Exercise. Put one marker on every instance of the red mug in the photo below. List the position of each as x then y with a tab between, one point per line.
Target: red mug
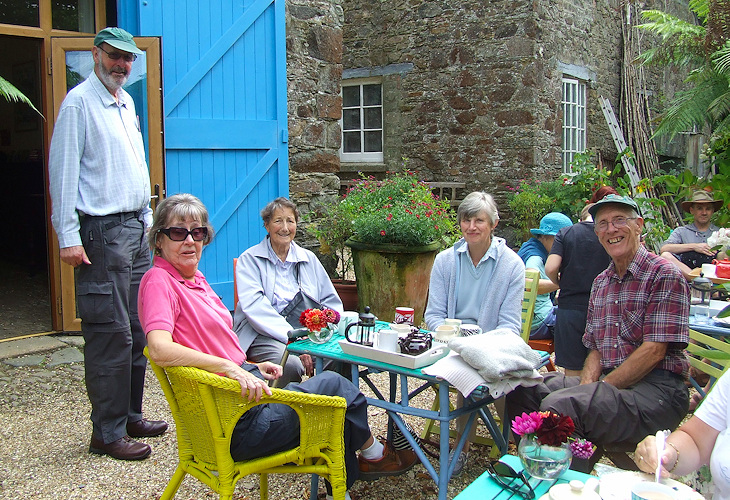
404	315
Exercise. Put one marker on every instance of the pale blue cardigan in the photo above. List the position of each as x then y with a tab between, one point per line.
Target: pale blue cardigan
501	306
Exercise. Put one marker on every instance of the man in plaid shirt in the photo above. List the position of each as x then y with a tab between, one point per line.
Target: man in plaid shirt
633	380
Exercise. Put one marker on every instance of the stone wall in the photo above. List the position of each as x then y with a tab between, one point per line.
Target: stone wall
476	96
314	74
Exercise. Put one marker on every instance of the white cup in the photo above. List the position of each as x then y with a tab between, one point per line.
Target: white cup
708	270
386	340
470	329
444	333
454	322
346	318
648	490
402	329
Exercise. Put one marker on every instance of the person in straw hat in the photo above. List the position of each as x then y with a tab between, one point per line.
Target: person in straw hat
687	246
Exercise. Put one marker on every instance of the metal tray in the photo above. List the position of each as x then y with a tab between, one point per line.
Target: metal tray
395	358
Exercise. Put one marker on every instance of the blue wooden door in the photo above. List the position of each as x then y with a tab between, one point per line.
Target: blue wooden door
224	87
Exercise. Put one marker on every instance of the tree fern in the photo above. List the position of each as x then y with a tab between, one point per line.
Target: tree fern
11	93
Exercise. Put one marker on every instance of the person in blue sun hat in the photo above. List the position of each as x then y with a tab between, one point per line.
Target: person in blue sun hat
534	252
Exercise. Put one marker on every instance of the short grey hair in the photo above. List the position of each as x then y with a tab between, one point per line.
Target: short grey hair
476	203
178	206
268	211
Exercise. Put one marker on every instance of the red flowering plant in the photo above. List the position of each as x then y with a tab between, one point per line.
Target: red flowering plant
400	209
551	429
316	319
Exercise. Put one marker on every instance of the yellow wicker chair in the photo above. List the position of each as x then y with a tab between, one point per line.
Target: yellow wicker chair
206	407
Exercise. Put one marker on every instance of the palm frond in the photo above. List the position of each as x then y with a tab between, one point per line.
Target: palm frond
721	58
689	108
700	7
668	26
682	42
11	93
719	109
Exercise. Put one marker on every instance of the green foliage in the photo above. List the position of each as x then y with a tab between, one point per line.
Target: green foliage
705	105
331	224
12	94
399	209
568	194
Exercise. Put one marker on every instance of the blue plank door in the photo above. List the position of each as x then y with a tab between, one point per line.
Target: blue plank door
224	87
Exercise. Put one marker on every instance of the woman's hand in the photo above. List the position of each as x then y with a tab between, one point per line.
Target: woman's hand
645	456
270	371
252	387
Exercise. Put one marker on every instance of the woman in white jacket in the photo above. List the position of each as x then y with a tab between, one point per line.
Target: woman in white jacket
270	277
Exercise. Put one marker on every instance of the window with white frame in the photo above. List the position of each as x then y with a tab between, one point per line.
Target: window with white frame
362	121
574	120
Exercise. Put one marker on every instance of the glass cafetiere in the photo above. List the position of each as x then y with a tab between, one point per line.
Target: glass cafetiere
364	329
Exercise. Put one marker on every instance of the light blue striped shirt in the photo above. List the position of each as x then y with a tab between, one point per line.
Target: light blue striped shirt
97	162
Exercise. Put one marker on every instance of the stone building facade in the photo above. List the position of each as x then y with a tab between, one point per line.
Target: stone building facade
314	75
472	91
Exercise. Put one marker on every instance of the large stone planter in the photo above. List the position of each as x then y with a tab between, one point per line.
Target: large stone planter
389	276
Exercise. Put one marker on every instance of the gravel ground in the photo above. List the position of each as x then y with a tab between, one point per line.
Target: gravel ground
45	432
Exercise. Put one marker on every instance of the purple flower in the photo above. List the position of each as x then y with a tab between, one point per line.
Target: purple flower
581	448
527	423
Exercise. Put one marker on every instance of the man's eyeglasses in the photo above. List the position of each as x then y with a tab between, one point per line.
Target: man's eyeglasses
617	222
181	233
115	56
500	472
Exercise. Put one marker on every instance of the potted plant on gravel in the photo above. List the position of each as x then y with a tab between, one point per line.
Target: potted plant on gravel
398	225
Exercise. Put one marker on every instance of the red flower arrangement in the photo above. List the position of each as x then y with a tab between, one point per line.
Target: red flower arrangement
316	319
552	429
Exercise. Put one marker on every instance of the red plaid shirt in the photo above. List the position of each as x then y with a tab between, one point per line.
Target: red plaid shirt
650	303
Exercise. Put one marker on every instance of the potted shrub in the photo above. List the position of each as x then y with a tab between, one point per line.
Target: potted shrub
398	225
332	226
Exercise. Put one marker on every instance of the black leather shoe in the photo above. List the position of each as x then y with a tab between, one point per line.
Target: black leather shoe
146	428
122	449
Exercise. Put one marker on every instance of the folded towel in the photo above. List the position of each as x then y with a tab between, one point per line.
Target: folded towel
497	354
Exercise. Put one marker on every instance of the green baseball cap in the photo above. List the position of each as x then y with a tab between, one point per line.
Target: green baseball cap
117	38
616	200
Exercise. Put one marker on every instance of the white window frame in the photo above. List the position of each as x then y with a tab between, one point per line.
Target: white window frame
574	119
362	156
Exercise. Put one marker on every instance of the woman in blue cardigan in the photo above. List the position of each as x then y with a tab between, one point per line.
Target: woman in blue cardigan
479	280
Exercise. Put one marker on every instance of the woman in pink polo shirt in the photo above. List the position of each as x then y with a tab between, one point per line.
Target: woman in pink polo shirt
187	325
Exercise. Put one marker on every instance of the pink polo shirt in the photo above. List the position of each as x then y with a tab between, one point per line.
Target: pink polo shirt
191	311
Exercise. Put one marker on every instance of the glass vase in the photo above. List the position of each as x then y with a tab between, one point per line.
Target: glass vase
543	461
322	335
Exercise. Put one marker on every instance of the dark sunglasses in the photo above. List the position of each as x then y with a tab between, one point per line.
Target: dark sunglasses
115	56
499	471
181	234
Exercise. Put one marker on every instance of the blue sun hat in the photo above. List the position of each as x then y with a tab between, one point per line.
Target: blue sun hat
551	224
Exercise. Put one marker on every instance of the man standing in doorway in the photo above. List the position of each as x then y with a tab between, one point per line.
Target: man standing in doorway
99	184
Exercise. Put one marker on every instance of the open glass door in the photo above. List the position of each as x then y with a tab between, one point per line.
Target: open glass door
72	63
